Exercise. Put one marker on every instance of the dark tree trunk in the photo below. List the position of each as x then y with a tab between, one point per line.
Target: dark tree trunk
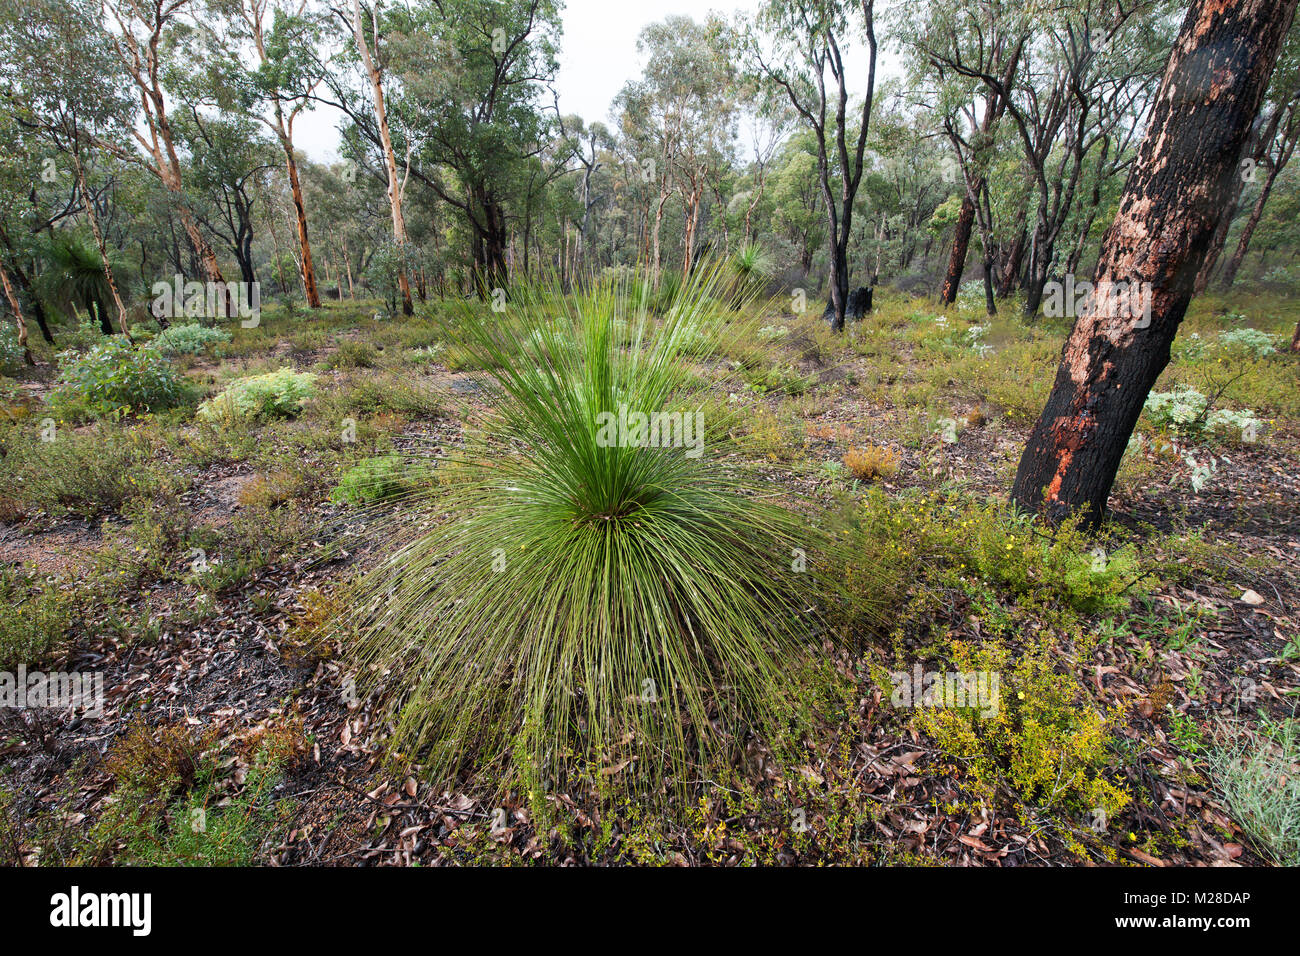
1180	183
1011	266
960	243
1218	242
105	323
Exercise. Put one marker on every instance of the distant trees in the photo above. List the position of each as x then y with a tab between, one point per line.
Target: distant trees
278	40
63	86
767	135
138	38
680	120
1180	183
800	46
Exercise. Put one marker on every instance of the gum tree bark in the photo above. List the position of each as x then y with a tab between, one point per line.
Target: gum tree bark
255	15
18	315
1182	179
395	188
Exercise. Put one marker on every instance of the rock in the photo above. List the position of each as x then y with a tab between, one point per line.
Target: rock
1252	598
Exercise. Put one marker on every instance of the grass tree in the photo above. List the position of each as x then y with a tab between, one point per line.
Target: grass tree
584	594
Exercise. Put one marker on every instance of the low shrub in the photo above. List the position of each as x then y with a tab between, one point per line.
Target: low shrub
87	473
114	377
11	353
278	394
34	619
1184	411
872	461
1256	772
1038	736
373	480
189	339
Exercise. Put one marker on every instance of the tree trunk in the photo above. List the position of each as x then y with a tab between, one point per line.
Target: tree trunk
295	189
390	159
1218	242
1179	185
960	243
18	315
1011	266
103	250
1248	230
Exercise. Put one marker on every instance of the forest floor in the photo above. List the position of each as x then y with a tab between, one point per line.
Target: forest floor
195	566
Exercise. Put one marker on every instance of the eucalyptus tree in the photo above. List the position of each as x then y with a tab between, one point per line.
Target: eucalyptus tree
585	143
61	82
935	36
40	198
802	47
798	216
463	86
263	61
1270	150
1210	95
228	159
1076	60
140	34
680	117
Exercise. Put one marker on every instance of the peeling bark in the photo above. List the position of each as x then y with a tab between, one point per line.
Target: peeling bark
1179	186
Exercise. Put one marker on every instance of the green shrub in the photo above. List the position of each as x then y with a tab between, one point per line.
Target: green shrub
1185	411
189	339
1256	772
1039	739
352	354
11	353
84	335
87	473
34	619
1249	342
947	533
278	394
581	600
206	829
373	480
115	376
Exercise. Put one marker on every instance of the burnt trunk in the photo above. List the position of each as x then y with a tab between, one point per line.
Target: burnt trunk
960	245
1180	184
1011	266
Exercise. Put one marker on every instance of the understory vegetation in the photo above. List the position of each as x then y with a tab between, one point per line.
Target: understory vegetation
405	564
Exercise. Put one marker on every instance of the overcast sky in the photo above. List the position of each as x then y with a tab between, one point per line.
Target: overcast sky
597	56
